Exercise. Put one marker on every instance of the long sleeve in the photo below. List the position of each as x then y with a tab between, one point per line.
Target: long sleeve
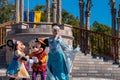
69	54
30	55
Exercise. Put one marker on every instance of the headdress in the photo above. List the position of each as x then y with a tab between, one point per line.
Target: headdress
41	40
55	28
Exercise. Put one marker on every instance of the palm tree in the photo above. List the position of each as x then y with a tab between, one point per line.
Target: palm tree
48	11
59	11
6	12
54	7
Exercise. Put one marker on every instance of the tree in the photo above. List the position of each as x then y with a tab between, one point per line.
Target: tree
41	8
103	43
69	18
101	28
6	11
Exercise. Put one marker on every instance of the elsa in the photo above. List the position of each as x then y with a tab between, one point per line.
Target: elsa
60	57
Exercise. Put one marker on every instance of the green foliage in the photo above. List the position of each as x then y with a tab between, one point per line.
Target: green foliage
101	28
69	18
41	8
100	43
6	11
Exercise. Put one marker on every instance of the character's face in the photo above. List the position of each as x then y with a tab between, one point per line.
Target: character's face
55	32
37	47
20	45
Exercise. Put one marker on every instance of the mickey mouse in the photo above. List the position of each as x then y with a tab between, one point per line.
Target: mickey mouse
38	50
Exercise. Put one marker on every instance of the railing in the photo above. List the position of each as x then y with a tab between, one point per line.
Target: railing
3	32
89	41
97	43
2	36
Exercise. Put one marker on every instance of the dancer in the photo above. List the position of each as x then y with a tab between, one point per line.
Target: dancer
16	68
38	50
60	57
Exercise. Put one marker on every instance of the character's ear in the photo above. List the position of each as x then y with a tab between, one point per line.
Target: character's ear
45	45
10	43
46	42
36	40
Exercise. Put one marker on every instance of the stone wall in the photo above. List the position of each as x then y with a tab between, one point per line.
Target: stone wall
2	57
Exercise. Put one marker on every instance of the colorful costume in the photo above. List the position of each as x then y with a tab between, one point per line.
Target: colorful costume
40	66
16	68
60	59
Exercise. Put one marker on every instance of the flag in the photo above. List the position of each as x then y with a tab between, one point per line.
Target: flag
25	16
34	16
31	16
37	17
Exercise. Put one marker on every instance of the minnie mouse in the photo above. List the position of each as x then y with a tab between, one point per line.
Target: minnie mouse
16	68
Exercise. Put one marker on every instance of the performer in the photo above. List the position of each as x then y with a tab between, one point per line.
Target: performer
38	50
60	57
16	68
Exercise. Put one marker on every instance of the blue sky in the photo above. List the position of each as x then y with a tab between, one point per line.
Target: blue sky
100	10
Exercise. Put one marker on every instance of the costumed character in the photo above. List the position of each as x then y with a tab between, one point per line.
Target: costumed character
16	68
60	57
38	50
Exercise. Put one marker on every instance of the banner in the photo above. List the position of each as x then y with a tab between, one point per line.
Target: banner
37	17
33	17
25	16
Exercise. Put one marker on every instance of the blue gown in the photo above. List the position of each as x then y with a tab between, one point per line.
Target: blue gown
14	66
58	65
17	68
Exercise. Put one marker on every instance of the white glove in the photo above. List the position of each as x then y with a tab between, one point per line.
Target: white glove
35	59
30	61
56	37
